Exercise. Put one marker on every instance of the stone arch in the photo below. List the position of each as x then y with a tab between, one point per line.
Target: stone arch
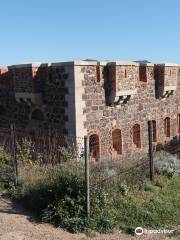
136	134
117	140
94	146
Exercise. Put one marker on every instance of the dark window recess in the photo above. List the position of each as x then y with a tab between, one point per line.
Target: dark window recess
94	149
117	141
178	123
154	131
37	115
66	118
167	129
126	73
98	74
65	131
2	110
137	135
142	74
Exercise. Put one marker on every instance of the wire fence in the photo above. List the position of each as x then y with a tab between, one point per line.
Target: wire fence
101	163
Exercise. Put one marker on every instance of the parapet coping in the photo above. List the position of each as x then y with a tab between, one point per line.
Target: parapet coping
79	63
168	64
88	63
3	66
102	63
26	65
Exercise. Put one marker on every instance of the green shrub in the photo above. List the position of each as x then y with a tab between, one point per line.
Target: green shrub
123	188
6	169
59	198
166	164
57	195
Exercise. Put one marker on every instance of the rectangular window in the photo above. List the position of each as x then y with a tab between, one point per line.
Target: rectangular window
98	74
154	131
167	127
142	74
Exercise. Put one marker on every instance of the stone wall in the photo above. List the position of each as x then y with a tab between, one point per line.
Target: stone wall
76	99
102	118
44	88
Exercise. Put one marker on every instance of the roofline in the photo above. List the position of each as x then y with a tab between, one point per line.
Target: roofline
88	63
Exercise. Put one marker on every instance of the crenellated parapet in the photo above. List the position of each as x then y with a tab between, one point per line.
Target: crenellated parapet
26	83
166	77
101	99
123	77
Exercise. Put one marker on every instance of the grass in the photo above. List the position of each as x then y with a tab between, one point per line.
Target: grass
56	194
154	207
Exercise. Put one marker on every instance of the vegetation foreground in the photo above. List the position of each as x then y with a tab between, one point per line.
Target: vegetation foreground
56	194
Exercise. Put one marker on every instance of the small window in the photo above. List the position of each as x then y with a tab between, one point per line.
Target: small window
167	127
154	131
126	73
142	74
137	136
117	141
94	149
178	123
37	115
98	74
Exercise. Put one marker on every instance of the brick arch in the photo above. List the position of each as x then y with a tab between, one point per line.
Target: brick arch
94	145
136	135
167	127
116	140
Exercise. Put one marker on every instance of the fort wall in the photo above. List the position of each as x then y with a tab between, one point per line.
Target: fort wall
110	102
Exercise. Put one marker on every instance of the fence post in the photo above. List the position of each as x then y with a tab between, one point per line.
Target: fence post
14	160
87	177
151	163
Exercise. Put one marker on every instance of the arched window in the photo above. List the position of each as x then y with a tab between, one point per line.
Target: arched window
137	135
94	149
37	114
117	141
167	127
178	123
154	131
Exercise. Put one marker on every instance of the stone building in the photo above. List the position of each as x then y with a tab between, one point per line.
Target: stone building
110	102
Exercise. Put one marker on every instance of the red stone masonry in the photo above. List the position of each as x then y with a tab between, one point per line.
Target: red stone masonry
95	98
123	100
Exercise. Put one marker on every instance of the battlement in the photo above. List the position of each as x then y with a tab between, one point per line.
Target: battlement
94	98
166	79
121	78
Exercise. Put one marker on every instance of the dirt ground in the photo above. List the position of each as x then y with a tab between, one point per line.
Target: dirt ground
18	224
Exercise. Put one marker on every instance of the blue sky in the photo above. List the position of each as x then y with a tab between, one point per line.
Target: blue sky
41	30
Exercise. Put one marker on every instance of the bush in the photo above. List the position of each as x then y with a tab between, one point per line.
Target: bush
59	198
6	169
166	164
57	195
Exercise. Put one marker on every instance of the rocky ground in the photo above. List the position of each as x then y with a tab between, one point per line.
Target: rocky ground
18	224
